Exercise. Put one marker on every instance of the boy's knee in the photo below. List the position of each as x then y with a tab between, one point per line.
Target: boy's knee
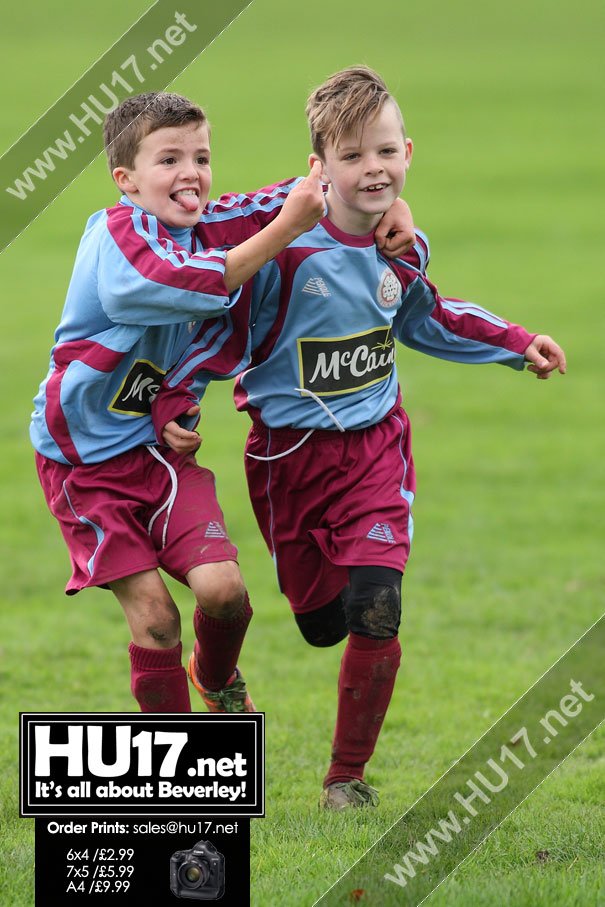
373	606
225	603
159	620
219	589
164	628
152	615
324	626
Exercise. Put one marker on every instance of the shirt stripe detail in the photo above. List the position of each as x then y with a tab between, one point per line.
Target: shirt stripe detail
483	349
101	358
96	357
422	249
200	357
166	249
219	214
458	307
56	423
136	235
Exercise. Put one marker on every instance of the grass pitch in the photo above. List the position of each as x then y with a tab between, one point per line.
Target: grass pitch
507	566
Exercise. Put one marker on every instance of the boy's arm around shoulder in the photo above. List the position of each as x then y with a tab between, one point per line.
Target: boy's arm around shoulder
234	217
143	277
302	209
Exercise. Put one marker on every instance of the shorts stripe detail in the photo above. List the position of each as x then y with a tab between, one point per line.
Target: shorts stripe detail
405	494
271	515
82	519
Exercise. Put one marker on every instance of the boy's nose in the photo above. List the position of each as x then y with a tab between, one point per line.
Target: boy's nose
373	165
188	170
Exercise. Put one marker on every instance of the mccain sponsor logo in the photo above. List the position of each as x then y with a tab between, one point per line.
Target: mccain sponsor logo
339	365
138	390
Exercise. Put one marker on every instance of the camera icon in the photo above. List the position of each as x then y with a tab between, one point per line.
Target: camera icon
199	873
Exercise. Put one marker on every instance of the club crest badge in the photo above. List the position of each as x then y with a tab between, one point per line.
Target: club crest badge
389	290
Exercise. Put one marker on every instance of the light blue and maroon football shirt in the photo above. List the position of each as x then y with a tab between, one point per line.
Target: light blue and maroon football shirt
140	293
324	318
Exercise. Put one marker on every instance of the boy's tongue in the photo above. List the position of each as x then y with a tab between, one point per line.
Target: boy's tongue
186	200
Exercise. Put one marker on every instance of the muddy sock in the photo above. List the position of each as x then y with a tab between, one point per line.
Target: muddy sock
365	685
158	680
218	644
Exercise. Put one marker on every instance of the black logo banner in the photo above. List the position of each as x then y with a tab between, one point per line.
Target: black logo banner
139	389
339	365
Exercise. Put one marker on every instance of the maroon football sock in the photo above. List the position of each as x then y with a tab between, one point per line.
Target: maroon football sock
158	680
218	644
365	685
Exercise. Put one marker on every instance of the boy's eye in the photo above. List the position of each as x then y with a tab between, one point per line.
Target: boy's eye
169	160
202	159
389	150
352	156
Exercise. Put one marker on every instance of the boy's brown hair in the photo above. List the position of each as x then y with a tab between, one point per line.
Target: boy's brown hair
344	102
126	126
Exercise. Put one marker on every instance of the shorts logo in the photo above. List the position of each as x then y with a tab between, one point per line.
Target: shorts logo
138	389
339	365
215	531
381	532
389	290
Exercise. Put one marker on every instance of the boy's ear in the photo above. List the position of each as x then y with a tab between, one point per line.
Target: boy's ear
315	157
409	149
123	179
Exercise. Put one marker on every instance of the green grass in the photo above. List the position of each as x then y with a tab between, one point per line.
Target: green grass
504	105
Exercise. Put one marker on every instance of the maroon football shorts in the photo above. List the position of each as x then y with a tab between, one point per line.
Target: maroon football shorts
341	499
133	513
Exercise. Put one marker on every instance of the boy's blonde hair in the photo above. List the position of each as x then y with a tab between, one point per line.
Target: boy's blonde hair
344	103
126	126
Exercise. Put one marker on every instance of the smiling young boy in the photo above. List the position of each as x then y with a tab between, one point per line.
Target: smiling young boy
328	458
149	272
